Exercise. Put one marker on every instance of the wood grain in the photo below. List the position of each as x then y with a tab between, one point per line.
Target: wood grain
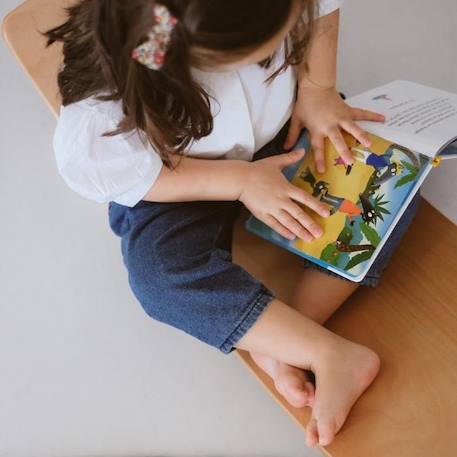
410	320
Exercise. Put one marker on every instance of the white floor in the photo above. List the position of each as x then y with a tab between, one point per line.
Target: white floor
84	371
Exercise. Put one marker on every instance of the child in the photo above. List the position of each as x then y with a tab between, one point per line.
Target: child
177	113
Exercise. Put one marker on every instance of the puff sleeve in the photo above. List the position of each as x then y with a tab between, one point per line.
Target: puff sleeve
120	168
329	6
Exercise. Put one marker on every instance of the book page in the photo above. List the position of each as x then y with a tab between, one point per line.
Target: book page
418	117
364	199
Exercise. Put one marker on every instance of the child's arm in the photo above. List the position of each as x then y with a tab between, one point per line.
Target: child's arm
322	54
199	179
259	185
123	169
319	106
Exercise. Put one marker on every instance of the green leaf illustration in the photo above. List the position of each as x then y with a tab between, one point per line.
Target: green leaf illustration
405	180
358	259
327	253
345	235
330	254
370	234
409	166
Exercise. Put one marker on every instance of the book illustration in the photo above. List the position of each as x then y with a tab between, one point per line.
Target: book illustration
384	164
363	198
320	189
368	198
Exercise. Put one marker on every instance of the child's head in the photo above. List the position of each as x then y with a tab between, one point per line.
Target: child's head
212	35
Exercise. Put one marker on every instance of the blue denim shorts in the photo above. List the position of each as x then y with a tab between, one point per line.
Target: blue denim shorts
179	262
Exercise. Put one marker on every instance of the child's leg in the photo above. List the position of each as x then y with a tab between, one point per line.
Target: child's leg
317	296
184	278
343	369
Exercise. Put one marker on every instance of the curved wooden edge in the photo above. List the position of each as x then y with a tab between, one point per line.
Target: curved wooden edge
37	62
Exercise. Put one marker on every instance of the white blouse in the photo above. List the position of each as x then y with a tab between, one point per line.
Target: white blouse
247	114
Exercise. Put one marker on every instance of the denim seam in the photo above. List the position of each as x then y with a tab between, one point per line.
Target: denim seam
258	305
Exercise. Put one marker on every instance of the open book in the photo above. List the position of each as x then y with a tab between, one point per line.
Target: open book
368	199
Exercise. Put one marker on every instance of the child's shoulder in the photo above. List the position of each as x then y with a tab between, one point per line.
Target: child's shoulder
84	123
93	107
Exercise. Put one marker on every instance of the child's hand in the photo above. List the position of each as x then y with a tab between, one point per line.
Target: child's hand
324	113
275	201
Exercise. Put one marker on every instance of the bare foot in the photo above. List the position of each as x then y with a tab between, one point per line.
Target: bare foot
343	370
341	378
291	382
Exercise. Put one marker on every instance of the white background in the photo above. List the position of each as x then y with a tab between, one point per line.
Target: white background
83	370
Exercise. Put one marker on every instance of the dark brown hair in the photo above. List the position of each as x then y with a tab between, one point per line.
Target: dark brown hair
168	105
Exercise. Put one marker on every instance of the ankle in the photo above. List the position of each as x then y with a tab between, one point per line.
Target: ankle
335	350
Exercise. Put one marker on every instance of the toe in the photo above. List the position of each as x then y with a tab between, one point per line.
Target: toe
294	384
310	394
312	436
326	431
293	390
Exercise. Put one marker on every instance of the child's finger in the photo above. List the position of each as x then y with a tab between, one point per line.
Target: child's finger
357	132
337	139
288	158
300	229
273	223
303	197
305	223
365	115
293	135
317	144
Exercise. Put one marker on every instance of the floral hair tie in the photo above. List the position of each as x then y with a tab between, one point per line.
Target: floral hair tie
152	52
